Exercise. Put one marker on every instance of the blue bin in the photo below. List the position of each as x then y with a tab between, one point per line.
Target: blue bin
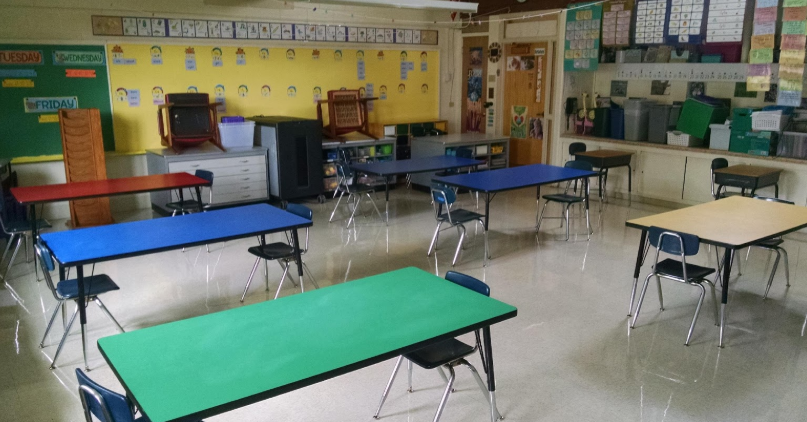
618	123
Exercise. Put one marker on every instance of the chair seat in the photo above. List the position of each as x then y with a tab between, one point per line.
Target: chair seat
770	243
673	268
93	286
23	226
184	205
278	250
566	199
360	188
439	354
461	216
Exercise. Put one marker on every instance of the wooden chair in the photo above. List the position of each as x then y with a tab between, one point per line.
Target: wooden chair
188	120
347	112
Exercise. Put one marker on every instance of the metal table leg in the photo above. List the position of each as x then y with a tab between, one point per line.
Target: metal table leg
728	257
488	346
487	221
386	198
636	269
82	312
298	257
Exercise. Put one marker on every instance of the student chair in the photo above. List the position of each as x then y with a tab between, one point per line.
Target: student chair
194	204
105	404
719	163
348	184
17	232
283	253
575	148
446	354
681	245
444	197
67	290
567	200
773	245
462	152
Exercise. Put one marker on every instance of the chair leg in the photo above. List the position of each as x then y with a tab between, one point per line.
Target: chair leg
567	221
282	278
697	312
10	241
459	245
660	295
377	211
389	385
409	369
787	267
50	323
13	257
541	217
106	312
484	388
486	251
589	231
433	245
249	281
64	337
773	272
355	208
341	194
446	393
714	302
310	276
641	299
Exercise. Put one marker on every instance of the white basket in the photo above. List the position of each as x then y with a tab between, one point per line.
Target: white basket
237	134
773	121
683	139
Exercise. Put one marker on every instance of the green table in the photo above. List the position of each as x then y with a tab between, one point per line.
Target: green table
211	364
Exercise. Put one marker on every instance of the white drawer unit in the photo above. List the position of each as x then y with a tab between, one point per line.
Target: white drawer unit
238	175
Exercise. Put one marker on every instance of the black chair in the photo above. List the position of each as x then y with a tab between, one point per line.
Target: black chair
773	245
184	206
462	152
681	245
444	197
575	148
348	184
446	354
567	200
720	163
18	232
283	253
67	290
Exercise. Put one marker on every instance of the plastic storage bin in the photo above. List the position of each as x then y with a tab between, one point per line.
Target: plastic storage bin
720	137
237	134
682	139
602	122
741	119
697	115
774	121
664	118
618	123
793	145
754	143
637	119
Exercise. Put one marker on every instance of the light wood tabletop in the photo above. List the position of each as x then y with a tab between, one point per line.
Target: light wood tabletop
734	222
747	170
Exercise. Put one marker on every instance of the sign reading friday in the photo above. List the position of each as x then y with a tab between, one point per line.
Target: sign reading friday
48	104
78	58
20	57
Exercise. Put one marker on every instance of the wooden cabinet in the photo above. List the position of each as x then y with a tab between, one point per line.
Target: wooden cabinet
239	175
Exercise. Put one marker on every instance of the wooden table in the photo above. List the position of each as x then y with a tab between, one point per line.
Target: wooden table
605	159
733	223
748	177
211	364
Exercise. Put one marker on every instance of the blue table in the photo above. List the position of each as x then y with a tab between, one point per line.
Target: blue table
494	181
388	169
76	248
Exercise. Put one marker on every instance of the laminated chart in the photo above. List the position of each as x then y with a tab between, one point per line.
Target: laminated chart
582	37
725	21
686	21
760	56
651	21
791	55
616	19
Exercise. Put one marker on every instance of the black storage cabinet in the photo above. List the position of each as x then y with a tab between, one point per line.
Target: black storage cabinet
294	155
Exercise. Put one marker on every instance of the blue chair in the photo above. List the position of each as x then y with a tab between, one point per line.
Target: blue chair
773	245
681	245
446	354
443	198
67	290
348	184
17	232
462	152
193	204
283	253
567	200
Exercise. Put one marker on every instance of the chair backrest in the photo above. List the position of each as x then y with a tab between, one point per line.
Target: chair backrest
106	405
205	174
443	195
346	116
781	201
46	263
346	177
464	152
674	243
304	212
717	163
468	282
579	165
576	147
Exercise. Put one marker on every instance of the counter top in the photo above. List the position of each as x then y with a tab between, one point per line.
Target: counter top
462	138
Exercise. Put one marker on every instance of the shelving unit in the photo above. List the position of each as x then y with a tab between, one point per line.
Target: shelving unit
494	150
403	132
361	150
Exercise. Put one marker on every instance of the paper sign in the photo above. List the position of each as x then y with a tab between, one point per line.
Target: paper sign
794	28
757	86
360	70
791	57
792	72
20	57
79	73
17	73
78	58
794	14
765	28
759	70
789	98
18	83
762	41
48	118
48	104
123	61
767	3
424	66
133	96
790	85
759	79
767	14
793	42
763	55
795	3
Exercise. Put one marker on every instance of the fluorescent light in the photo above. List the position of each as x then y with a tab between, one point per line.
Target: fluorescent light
459	6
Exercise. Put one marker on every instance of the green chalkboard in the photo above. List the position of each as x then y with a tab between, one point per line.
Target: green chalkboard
39	73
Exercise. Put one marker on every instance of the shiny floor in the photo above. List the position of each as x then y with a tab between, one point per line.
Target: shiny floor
568	356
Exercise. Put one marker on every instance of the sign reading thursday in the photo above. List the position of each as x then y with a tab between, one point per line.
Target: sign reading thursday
48	104
78	58
20	57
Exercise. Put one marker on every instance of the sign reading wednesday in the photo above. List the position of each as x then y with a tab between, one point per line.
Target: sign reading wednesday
48	104
78	58
20	57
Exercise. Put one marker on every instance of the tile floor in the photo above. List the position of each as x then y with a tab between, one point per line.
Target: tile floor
568	356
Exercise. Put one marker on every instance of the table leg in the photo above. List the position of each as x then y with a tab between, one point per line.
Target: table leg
386	198
298	257
199	196
728	257
82	312
636	269
487	220
776	190
586	186
488	346
630	179
34	234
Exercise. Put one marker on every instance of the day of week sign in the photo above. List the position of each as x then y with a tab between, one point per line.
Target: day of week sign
48	104
20	57
78	58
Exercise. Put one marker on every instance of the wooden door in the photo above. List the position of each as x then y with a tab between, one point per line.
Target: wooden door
474	70
526	90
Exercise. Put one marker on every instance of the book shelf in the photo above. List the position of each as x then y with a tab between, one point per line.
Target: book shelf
493	150
360	150
403	132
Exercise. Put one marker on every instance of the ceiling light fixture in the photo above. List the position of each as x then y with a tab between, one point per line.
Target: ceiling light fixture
458	6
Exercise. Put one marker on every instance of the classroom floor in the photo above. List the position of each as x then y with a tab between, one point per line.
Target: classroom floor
568	356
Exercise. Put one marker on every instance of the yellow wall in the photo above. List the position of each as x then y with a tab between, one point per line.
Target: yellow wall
136	127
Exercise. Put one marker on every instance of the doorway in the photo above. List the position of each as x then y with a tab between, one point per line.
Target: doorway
474	70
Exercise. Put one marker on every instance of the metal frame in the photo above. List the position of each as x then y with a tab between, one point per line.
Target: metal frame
565	216
460	228
353	198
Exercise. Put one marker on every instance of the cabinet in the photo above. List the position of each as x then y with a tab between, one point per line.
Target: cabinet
238	175
404	132
360	150
493	150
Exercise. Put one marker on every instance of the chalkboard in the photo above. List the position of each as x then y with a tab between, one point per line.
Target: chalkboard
37	80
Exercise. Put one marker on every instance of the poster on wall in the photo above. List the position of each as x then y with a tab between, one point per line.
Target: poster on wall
582	44
616	19
473	116
518	122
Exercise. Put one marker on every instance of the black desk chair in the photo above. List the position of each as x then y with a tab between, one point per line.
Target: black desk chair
348	184
773	245
283	253
444	197
18	232
721	163
446	354
681	245
194	204
567	200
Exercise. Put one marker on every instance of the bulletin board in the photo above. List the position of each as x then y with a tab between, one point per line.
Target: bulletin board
264	81
37	80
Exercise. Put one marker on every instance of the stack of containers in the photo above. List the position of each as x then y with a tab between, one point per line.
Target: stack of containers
696	116
637	118
763	135
664	118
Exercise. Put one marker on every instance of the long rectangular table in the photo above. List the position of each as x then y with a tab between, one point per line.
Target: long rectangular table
76	248
493	181
388	169
203	366
732	223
